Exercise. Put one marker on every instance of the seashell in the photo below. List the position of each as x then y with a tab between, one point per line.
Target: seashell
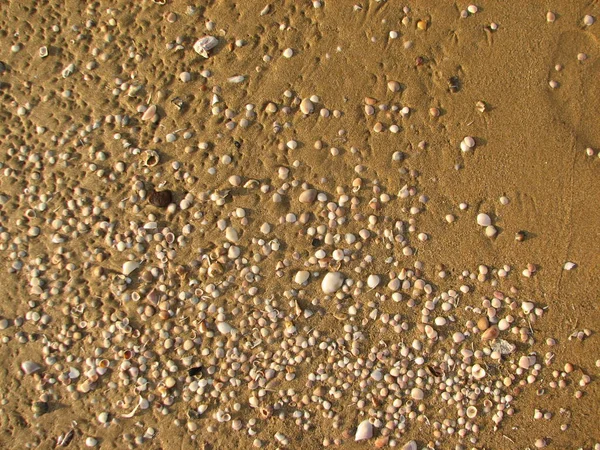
410	445
306	106
150	113
151	158
231	234
73	373
332	281
203	45
491	333
373	281
302	276
483	220
134	89
222	416
503	347
202	409
478	372
225	328
29	367
471	412
43	51
236	79
364	431
308	196
129	267
569	265
68	71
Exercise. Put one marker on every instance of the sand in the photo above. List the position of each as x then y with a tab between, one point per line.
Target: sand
530	147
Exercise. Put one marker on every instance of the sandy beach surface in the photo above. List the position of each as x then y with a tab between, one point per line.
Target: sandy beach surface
299	224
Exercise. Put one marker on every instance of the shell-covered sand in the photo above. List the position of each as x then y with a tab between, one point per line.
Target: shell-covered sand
371	212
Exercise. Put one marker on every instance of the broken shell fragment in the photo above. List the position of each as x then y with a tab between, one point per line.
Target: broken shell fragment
29	367
205	44
129	267
491	333
151	158
364	431
43	52
236	79
150	113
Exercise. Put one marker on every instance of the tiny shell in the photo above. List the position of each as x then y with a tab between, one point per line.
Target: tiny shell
373	281
301	277
205	44
491	333
569	265
151	158
483	220
225	328
29	367
68	71
129	267
410	445
308	196
332	282
364	431
43	52
236	79
306	106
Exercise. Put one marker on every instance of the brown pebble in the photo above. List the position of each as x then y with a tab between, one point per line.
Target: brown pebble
160	199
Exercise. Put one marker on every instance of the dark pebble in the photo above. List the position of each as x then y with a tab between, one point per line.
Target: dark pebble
160	199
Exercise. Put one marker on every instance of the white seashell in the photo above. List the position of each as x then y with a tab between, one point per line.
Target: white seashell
202	409
308	196
68	71
73	373
525	362
527	307
410	445
150	226
205	44
265	10
478	372
469	142
236	79
149	113
483	220
332	281
364	431
29	367
43	51
503	347
225	328
302	276
569	265
231	234
373	281
417	393
129	267
103	417
306	106
151	158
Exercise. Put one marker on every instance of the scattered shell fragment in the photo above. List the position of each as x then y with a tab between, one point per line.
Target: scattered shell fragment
203	45
569	265
129	267
43	51
364	431
150	113
29	367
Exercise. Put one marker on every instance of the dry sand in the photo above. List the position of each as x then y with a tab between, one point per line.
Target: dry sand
530	147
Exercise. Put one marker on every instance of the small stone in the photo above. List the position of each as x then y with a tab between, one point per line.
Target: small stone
332	281
160	199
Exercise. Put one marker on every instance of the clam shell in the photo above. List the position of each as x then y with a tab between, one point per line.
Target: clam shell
364	431
307	106
225	328
332	282
491	333
308	196
301	277
29	367
203	45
